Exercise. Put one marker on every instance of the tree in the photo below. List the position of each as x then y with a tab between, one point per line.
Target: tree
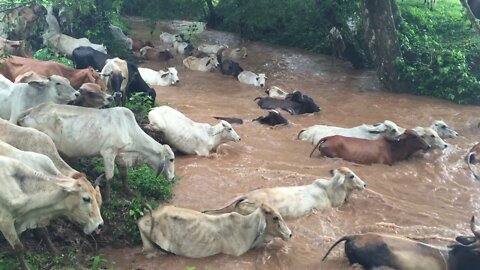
470	16
381	19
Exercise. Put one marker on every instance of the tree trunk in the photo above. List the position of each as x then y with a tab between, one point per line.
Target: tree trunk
470	16
212	19
380	19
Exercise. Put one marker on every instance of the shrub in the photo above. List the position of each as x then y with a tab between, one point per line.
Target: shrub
46	54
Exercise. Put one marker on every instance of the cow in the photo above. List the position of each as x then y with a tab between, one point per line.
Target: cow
249	77
186	232
183	48
187	136
29	139
85	132
115	75
314	133
229	67
297	201
92	96
156	54
295	103
137	84
118	35
84	57
21	96
138	44
30	199
431	137
386	150
35	161
201	64
15	66
162	78
472	158
65	45
272	119
372	250
13	47
170	38
209	48
232	54
276	92
443	130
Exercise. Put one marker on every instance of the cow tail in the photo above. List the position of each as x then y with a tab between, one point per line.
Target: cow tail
318	145
227	209
471	156
345	238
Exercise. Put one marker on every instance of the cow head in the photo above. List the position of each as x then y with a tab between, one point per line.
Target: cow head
59	88
431	137
261	79
443	130
276	226
172	74
348	179
465	254
213	61
226	132
83	203
411	141
93	96
169	171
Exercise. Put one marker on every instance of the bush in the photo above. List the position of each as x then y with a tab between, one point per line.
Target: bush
46	54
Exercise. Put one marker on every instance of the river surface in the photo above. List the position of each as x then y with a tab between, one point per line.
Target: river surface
431	194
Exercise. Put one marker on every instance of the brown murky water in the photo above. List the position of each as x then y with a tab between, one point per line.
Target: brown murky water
432	194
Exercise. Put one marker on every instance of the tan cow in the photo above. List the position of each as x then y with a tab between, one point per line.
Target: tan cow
297	201
29	139
92	96
201	64
15	66
30	199
189	233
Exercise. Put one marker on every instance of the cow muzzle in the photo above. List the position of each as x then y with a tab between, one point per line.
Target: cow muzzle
117	94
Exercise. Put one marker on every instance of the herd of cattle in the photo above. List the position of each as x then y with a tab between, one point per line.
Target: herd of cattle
51	109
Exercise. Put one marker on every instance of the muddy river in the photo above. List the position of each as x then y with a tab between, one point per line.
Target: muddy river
432	194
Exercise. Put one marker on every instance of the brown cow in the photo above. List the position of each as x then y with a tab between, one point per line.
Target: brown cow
92	96
155	54
385	150
15	66
137	44
472	158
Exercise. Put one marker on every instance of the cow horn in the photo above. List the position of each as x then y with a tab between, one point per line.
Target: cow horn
161	166
97	181
472	227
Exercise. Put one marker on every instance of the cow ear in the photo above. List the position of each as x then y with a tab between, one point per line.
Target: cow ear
40	84
341	181
164	75
208	63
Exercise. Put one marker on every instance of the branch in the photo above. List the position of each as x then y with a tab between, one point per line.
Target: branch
470	16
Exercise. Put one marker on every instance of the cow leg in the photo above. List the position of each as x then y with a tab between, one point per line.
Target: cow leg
122	170
109	164
43	233
9	232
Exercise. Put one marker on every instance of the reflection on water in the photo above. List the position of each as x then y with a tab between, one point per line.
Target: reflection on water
431	194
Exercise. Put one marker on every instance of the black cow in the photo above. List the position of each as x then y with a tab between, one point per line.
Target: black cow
229	67
272	119
83	57
295	103
137	84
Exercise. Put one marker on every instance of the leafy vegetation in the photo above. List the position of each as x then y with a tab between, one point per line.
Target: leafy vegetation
440	52
46	54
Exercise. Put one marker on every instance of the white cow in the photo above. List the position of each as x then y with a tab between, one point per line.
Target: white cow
21	96
112	133
183	48
201	64
170	38
443	130
187	136
314	133
118	35
162	78
276	92
431	137
30	199
189	233
296	201
211	48
29	139
65	45
249	77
